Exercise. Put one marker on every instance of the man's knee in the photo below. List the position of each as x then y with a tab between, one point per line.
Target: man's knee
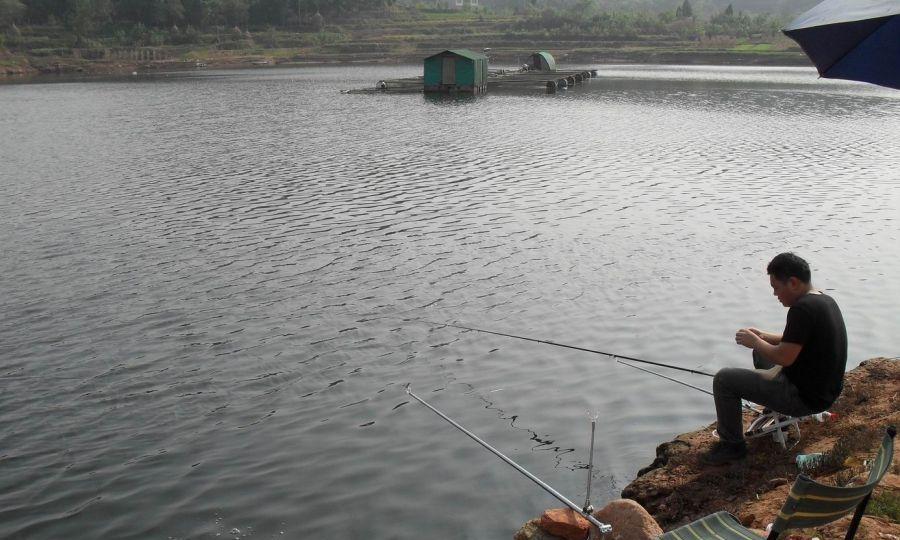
723	382
761	363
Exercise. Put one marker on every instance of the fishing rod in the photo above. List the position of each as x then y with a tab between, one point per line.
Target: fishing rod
743	403
603	527
617	357
41	377
575	347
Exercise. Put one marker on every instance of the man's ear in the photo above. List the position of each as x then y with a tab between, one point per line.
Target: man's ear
793	282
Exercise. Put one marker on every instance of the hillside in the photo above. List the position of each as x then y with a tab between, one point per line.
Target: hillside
782	8
403	35
786	8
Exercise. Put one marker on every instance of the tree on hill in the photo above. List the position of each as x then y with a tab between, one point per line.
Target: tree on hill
10	12
340	7
85	16
234	12
271	12
173	12
584	8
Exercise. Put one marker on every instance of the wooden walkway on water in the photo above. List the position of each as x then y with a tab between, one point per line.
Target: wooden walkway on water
500	80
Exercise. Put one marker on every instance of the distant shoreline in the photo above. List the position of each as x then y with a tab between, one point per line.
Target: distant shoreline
25	70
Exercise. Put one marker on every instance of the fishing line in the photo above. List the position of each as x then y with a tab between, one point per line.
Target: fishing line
575	347
743	403
664	377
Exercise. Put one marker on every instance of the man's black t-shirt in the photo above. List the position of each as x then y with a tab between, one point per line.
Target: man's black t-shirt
815	322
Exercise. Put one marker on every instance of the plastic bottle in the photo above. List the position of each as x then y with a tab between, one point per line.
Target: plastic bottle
809	461
824	416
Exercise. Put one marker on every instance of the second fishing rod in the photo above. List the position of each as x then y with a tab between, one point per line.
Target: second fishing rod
555	344
617	357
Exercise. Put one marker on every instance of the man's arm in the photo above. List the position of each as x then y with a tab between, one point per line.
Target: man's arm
783	353
768	337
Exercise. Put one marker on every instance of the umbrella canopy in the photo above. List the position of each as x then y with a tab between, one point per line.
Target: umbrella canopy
852	39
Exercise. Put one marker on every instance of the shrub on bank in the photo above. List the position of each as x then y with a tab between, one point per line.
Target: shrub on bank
885	504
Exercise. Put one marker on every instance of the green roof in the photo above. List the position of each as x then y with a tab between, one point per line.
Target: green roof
548	57
465	53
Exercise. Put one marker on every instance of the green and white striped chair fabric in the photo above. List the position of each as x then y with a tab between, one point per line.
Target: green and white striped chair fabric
809	504
718	526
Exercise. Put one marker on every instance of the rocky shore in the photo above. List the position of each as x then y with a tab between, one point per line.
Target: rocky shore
678	488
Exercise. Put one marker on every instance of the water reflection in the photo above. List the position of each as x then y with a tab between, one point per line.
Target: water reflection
435	98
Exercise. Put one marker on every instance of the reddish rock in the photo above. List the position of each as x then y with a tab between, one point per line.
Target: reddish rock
629	521
565	523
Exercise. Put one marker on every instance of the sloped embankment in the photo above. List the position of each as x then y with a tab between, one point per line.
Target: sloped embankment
677	488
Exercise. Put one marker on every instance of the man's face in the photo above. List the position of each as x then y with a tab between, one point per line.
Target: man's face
787	292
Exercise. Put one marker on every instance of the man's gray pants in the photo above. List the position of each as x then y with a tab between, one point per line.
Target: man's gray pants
730	385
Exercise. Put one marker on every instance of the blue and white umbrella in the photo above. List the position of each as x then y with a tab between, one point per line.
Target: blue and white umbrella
857	40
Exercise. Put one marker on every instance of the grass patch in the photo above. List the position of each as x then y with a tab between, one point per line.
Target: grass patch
856	440
754	47
860	439
194	54
456	15
886	504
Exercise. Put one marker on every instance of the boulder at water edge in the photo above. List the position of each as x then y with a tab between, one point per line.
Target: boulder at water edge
629	521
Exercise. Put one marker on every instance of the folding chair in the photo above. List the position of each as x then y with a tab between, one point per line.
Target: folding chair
774	423
809	504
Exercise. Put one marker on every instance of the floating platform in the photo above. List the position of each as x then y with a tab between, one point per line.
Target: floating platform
499	80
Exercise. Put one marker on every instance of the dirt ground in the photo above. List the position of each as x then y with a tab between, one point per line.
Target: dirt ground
677	488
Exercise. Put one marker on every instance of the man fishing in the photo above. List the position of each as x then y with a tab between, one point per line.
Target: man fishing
798	372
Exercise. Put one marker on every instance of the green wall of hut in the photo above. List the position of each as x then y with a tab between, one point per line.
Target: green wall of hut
470	72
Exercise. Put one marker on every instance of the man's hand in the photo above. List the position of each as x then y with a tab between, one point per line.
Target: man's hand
748	337
771	339
768	345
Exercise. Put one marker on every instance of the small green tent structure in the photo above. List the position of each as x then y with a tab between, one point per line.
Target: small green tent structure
457	70
542	61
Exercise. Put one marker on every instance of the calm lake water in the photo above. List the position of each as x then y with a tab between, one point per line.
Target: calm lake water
205	276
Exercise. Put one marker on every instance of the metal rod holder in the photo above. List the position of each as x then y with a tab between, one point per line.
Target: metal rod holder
588	507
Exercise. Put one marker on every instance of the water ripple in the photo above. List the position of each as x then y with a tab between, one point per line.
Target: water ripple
211	284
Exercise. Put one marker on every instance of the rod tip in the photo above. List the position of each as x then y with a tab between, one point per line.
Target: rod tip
408	391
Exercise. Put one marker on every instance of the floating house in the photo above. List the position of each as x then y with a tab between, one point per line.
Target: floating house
457	70
542	61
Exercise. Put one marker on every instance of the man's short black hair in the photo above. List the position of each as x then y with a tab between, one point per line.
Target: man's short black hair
787	265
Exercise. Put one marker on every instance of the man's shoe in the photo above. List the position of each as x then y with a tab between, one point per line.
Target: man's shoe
725	452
